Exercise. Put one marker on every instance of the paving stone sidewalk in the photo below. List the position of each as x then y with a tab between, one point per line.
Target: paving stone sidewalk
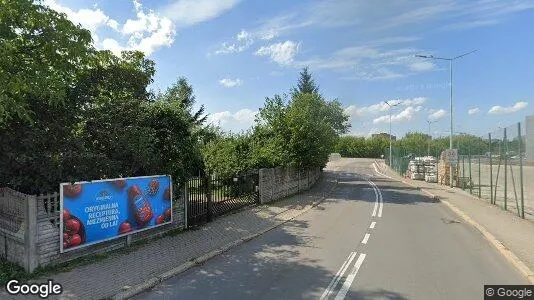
105	279
514	233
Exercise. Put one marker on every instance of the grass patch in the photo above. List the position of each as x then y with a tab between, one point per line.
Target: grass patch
9	270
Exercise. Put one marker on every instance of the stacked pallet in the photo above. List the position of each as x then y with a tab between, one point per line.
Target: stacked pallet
431	172
423	168
416	169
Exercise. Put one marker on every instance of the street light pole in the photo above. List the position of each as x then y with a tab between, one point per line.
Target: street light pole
429	122
451	107
390	151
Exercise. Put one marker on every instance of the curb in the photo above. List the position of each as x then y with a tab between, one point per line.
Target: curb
507	253
154	281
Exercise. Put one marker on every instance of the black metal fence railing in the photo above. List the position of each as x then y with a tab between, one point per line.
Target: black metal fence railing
211	196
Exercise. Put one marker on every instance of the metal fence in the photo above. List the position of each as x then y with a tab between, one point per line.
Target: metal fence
211	196
495	167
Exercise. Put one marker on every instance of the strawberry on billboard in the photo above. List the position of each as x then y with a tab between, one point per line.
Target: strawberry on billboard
102	210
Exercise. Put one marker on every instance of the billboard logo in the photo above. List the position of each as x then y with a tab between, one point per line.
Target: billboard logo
104	195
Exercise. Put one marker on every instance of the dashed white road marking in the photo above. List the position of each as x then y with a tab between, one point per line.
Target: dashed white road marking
338	276
366	238
350	278
377	211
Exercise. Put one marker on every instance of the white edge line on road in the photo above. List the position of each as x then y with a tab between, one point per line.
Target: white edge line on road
376	198
338	276
376	170
350	278
381	202
372	226
366	238
380	199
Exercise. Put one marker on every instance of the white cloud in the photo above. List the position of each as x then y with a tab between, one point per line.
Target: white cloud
90	19
406	115
378	19
508	109
112	45
245	116
473	111
355	111
371	63
243	41
243	35
242	119
281	53
438	114
228	82
145	22
189	12
422	66
413	101
470	24
147	33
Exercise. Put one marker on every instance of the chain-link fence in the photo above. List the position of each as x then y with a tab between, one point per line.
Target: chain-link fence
496	167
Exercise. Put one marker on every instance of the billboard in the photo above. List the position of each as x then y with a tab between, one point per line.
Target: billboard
97	211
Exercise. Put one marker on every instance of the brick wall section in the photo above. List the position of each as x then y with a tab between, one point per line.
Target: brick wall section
281	182
40	246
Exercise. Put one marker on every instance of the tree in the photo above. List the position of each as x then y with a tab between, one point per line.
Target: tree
71	113
303	130
42	54
305	83
182	93
353	146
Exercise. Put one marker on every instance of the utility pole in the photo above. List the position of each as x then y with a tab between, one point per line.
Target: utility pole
429	122
390	149
451	107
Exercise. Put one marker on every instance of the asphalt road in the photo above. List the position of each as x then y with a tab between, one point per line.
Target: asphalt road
353	247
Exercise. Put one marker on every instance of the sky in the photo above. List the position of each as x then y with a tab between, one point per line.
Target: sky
362	53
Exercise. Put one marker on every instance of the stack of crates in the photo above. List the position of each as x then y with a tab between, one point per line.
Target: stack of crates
431	171
416	169
423	168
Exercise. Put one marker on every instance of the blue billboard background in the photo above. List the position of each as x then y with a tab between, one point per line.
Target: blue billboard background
101	210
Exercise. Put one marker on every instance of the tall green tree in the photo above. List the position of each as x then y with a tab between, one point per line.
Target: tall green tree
182	93
305	84
302	130
70	113
42	54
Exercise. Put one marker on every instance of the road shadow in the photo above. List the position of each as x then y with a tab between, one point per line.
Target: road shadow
355	187
376	294
272	266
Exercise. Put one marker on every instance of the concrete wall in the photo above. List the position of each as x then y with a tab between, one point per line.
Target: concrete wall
278	183
39	246
17	232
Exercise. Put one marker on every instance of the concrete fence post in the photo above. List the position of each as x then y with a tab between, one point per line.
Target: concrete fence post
30	235
261	185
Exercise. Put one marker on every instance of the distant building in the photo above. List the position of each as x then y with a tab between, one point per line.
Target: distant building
383	135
